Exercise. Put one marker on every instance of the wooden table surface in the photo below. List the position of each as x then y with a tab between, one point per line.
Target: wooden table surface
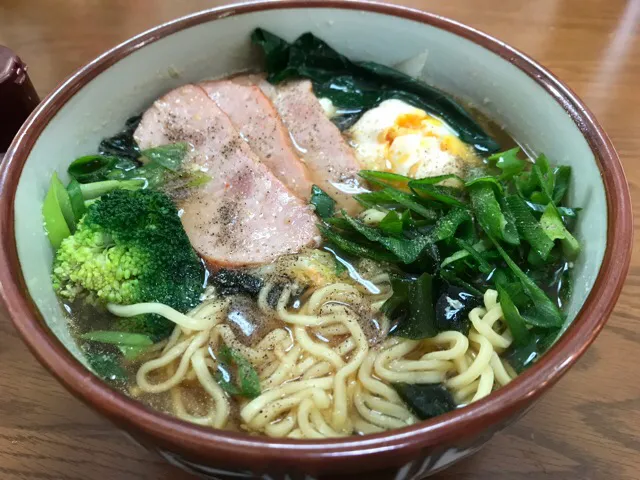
587	427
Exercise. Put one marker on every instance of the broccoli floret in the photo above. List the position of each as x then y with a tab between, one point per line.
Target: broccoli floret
130	247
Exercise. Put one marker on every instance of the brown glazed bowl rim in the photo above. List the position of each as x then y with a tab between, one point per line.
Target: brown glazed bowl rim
236	448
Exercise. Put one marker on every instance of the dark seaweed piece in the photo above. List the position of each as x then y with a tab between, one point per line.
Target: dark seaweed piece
453	307
411	305
274	295
122	144
233	282
425	400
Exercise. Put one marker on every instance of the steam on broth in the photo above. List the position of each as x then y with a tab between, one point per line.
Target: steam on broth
325	249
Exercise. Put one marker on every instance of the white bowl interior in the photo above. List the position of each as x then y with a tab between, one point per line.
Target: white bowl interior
219	47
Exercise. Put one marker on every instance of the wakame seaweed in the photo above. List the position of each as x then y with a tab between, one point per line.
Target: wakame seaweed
355	87
122	144
453	307
426	400
412	307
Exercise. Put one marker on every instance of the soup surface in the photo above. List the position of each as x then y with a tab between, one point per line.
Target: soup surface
323	249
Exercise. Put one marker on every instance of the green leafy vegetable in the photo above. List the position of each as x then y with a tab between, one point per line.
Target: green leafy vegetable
325	205
512	316
491	181
489	214
552	225
387	179
547	314
405	249
483	265
562	179
451	277
478	247
447	225
151	168
131	353
236	374
410	202
107	366
564	211
446	195
392	224
169	156
528	227
357	249
426	400
508	162
359	86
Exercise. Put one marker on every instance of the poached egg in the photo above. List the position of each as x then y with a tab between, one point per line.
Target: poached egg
399	138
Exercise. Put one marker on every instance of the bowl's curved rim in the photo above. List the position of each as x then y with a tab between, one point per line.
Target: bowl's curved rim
184	437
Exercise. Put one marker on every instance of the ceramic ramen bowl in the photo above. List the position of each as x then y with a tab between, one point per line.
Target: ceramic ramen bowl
533	106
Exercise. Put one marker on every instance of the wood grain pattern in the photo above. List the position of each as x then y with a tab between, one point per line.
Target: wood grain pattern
587	427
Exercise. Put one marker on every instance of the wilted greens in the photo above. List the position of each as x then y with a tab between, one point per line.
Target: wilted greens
504	229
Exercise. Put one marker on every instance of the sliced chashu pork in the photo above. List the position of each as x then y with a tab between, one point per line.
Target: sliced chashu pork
331	162
257	120
244	215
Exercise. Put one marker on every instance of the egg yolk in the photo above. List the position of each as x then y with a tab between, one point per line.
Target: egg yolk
430	129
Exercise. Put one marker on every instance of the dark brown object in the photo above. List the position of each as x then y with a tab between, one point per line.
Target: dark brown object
18	98
586	429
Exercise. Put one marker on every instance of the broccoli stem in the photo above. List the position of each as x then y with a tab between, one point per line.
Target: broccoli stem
97	189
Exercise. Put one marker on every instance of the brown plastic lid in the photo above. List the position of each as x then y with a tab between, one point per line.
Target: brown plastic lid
18	98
